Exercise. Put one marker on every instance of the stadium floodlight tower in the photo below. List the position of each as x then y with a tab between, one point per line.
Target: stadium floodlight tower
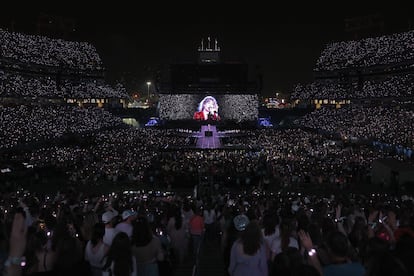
148	90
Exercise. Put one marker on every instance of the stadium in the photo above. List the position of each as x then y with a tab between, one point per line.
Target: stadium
196	177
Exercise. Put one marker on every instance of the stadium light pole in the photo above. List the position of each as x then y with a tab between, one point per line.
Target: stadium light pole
148	85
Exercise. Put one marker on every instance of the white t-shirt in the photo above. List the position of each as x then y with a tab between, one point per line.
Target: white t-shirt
95	257
276	246
269	239
124	227
110	233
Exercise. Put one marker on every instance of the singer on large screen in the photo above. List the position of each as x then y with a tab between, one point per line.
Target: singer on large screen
207	110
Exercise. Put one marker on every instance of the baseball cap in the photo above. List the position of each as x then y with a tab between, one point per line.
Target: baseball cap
107	217
127	213
240	222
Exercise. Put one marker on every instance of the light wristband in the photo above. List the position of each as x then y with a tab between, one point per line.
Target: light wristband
311	252
19	261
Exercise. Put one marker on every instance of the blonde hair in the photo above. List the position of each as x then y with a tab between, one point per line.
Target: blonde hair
206	100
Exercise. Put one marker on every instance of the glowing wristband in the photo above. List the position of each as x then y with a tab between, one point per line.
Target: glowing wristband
311	252
337	220
19	261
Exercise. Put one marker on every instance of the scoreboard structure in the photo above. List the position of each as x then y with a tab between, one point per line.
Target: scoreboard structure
189	83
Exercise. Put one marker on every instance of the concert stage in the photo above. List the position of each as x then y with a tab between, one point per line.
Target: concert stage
208	137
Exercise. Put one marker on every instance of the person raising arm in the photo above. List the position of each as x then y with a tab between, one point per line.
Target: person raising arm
16	260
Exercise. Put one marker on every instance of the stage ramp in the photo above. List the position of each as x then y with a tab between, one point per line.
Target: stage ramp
208	137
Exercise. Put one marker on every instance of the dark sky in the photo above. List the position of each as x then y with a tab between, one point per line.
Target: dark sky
281	42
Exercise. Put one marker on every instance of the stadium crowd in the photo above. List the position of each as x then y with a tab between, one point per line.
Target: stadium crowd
44	51
383	50
390	86
145	232
385	124
17	85
270	223
23	124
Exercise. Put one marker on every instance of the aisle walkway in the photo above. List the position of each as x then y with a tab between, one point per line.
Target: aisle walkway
210	262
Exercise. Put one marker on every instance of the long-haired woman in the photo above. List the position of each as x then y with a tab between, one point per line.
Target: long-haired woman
96	250
248	254
120	261
146	248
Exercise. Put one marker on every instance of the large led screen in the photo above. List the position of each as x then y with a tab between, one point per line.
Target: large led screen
241	107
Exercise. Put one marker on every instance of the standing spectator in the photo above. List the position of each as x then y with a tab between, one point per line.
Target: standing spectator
231	233
96	250
270	230
210	222
338	248
13	265
110	232
188	213
285	240
176	232
87	228
39	258
128	216
68	249
248	254
196	226
146	248
120	261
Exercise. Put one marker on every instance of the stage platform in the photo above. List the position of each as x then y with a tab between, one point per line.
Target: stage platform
208	138
196	125
209	134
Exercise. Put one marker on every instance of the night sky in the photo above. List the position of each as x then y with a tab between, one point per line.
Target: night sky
280	42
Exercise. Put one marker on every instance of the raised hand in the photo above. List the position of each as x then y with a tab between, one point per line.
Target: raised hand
18	236
305	240
338	209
